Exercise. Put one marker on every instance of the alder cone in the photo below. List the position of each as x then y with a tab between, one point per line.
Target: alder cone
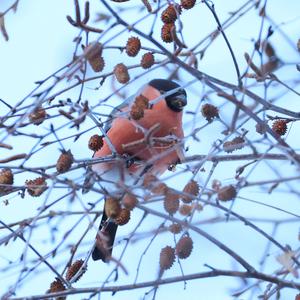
166	32
112	207
147	60
93	54
95	142
280	127
136	112
169	15
227	193
184	247
6	176
38	116
191	190
137	109
123	217
64	162
133	46
121	73
175	228
188	4
171	203
36	187
167	257
98	64
74	268
209	112
57	286
142	101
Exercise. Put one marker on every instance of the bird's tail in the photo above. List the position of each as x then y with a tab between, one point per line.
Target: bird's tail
104	240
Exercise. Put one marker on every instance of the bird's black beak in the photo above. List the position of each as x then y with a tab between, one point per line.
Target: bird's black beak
179	101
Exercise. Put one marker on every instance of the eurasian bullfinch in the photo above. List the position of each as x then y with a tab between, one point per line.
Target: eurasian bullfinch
164	114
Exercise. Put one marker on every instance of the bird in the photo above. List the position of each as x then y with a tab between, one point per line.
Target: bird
163	117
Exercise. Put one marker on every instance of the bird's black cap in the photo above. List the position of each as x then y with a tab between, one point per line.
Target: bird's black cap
175	101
